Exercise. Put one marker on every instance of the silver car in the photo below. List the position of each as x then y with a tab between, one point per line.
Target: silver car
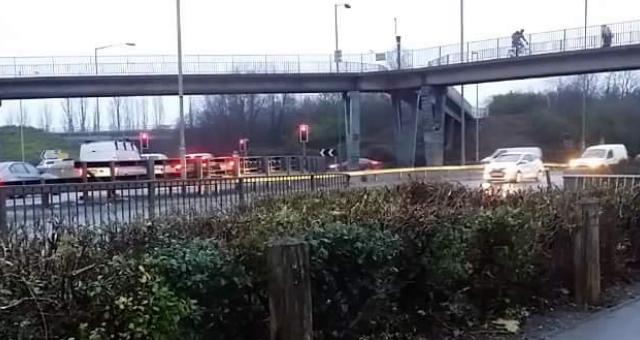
16	172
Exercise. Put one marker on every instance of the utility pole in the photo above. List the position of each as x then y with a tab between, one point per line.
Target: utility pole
183	148
463	125
585	85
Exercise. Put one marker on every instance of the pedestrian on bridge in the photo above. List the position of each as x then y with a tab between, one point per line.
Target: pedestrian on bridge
518	42
607	36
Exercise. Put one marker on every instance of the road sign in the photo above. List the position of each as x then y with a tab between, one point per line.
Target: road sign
327	152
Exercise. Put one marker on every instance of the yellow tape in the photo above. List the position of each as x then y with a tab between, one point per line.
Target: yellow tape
436	169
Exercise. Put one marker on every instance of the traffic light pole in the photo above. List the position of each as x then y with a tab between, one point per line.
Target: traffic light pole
303	166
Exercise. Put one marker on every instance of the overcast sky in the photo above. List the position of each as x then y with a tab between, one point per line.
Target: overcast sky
75	27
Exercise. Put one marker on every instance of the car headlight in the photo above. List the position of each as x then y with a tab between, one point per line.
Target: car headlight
573	163
595	163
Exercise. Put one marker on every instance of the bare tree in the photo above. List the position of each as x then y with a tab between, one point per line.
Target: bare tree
158	111
142	113
68	115
45	117
128	116
191	121
115	111
627	82
83	109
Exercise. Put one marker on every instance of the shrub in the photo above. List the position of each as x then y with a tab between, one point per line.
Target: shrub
227	304
352	272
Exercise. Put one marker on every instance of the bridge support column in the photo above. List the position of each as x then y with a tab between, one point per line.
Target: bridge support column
352	128
433	134
405	116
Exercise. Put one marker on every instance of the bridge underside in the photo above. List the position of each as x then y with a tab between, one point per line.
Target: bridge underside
426	125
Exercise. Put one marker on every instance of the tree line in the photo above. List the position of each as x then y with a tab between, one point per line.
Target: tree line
555	116
81	114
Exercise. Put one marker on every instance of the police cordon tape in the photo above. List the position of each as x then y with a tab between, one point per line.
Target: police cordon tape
445	168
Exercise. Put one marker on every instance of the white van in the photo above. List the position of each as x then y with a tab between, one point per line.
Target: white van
600	155
535	151
112	151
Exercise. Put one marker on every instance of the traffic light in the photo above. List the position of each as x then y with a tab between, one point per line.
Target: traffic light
144	140
244	145
303	133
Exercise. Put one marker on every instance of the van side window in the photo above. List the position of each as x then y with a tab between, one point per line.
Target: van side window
610	154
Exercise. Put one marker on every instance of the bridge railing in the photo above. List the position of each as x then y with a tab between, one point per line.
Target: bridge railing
625	33
584	181
31	209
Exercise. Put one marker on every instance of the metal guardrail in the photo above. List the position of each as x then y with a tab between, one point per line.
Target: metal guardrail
582	182
196	168
39	208
625	33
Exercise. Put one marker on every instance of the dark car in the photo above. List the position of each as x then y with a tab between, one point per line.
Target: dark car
363	164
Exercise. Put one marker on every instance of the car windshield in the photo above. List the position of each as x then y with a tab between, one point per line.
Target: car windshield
498	153
594	153
507	158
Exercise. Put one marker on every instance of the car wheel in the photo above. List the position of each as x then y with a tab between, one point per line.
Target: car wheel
518	177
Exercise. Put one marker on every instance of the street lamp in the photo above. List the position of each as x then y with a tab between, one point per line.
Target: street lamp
477	58
96	121
463	125
585	85
338	53
183	147
338	56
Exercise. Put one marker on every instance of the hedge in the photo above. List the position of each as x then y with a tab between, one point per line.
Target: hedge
416	260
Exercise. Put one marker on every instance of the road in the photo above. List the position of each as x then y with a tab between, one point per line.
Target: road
622	323
471	179
130	202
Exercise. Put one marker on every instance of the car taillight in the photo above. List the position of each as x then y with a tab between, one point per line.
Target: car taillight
231	164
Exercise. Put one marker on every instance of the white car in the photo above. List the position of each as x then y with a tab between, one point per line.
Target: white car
600	155
112	151
536	151
20	172
514	167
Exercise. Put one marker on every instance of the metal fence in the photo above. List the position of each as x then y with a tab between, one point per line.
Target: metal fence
40	207
625	33
582	182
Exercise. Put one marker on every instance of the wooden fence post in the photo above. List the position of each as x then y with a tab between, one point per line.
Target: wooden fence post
289	291
4	228
586	254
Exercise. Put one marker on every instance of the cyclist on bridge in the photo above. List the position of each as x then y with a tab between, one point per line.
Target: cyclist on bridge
518	42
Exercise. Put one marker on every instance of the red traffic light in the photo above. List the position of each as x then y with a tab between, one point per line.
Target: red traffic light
144	140
303	133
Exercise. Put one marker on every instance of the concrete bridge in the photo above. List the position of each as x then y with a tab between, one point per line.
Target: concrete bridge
418	84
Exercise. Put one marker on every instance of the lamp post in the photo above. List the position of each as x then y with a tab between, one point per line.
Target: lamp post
477	116
338	53
463	125
96	120
585	85
183	148
21	131
337	57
